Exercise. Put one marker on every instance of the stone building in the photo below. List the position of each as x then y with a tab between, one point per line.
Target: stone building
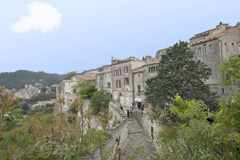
160	52
66	90
104	80
213	47
122	79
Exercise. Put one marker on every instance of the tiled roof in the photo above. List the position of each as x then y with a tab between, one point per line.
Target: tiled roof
85	77
153	62
105	71
203	33
218	35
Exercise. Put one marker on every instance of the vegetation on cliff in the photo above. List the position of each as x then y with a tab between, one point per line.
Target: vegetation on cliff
205	134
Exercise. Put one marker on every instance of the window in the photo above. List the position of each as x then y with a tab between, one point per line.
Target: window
138	75
233	48
226	47
118	84
139	89
126	69
199	50
115	72
152	69
119	72
126	81
205	48
211	47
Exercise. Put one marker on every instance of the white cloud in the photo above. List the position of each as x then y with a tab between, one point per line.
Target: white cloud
42	17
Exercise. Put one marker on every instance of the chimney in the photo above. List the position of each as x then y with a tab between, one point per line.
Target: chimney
148	59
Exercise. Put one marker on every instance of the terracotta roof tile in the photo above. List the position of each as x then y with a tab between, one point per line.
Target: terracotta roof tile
218	35
203	33
105	71
153	62
85	77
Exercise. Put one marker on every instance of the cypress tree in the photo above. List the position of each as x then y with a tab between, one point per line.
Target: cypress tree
179	73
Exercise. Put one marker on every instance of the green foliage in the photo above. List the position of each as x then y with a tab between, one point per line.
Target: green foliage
19	78
85	88
100	99
232	70
42	136
179	73
48	108
188	110
41	97
70	75
115	122
199	139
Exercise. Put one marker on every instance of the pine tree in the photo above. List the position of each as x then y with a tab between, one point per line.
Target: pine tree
179	74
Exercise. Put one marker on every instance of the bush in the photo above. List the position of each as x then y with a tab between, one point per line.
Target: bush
100	99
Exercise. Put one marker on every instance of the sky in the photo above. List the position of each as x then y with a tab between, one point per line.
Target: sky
59	36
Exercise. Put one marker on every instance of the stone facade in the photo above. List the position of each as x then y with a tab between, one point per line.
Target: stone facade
213	47
104	80
122	79
66	90
125	79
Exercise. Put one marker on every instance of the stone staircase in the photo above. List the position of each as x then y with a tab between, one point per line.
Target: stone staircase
134	140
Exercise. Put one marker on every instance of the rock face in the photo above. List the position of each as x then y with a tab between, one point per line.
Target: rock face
27	92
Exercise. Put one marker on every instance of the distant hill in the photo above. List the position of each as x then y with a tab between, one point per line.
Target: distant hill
19	78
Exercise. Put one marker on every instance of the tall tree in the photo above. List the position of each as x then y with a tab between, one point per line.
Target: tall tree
100	99
179	74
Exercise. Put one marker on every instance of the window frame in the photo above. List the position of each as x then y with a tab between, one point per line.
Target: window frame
199	50
118	84
211	48
126	69
126	81
119	72
115	73
205	48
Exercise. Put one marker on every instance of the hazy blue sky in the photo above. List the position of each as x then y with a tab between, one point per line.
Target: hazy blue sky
58	36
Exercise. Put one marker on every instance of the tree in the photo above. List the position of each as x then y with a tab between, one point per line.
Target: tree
85	88
100	99
70	75
199	139
7	104
179	73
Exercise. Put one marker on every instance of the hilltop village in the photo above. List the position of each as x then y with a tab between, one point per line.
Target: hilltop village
125	78
106	113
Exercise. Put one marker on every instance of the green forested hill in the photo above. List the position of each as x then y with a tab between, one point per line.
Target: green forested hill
19	78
